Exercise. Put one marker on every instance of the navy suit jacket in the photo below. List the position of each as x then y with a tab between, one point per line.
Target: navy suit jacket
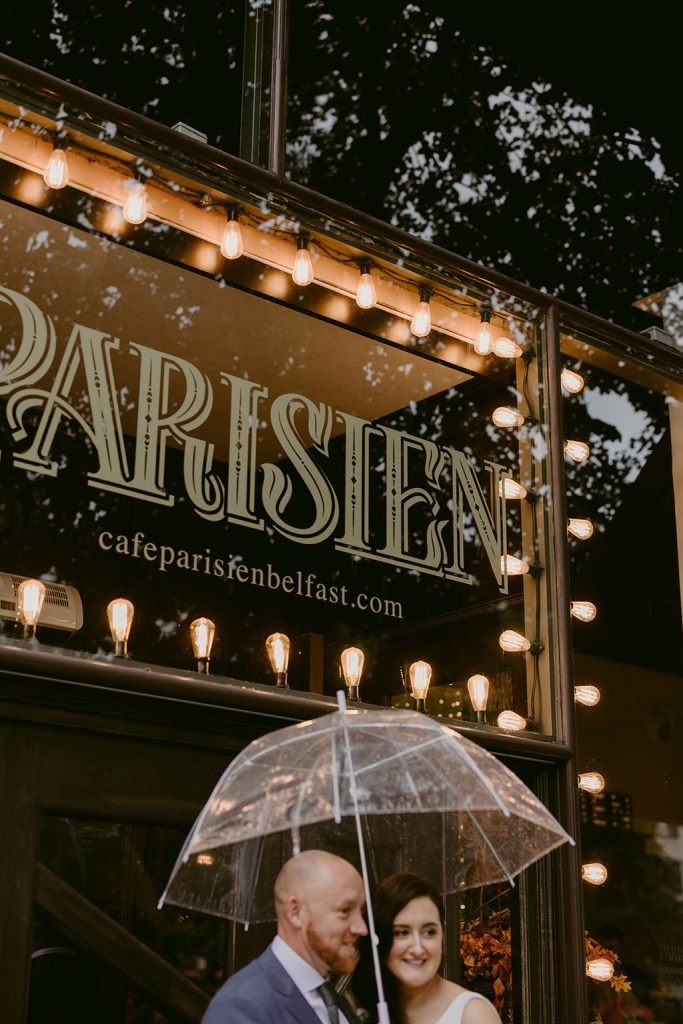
260	993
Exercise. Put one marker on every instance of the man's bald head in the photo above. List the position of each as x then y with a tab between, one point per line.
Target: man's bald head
319	899
306	873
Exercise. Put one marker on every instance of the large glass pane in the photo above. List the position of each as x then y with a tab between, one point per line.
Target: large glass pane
629	490
121	869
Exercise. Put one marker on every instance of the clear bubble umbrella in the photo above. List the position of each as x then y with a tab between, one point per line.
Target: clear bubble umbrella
389	790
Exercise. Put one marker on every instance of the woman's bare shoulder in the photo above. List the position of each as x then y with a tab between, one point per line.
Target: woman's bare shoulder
480	1011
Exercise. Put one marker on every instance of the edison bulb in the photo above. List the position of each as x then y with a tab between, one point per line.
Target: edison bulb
582	529
352	659
595	873
513	642
511	566
56	174
586	694
366	296
511	490
511	720
277	649
135	207
576	450
503	417
506	348
571	381
202	632
30	600
600	969
478	689
422	320
591	782
483	343
120	613
585	611
302	271
232	245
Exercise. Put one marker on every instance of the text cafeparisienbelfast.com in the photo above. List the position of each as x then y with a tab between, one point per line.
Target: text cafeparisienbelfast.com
302	584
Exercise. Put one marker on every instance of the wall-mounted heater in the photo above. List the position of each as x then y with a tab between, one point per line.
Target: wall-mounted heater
62	608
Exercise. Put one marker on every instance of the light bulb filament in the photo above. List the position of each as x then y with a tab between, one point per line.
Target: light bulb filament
277	649
478	689
135	207
421	323
366	296
232	245
302	271
56	173
420	674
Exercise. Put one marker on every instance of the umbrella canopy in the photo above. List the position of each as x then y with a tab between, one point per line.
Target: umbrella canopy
392	790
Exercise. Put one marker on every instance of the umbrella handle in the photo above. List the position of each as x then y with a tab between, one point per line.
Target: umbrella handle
382	1009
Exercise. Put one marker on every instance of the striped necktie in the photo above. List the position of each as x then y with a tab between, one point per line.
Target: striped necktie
331	1000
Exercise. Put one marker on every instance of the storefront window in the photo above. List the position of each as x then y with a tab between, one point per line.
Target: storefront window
193	430
628	655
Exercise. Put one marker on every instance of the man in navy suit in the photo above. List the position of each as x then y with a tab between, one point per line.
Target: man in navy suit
319	901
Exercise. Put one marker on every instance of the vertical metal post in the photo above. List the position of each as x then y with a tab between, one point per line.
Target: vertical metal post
264	84
278	88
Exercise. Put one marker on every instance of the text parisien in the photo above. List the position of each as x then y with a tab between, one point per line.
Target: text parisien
35	382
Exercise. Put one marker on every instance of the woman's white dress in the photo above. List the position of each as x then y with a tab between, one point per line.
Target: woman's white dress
453	1014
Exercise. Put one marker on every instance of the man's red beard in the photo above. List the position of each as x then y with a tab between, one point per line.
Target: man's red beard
337	959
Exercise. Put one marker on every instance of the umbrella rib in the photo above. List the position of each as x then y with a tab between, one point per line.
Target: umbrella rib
399	755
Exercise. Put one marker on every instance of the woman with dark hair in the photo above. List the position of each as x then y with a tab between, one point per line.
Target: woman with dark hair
409	922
